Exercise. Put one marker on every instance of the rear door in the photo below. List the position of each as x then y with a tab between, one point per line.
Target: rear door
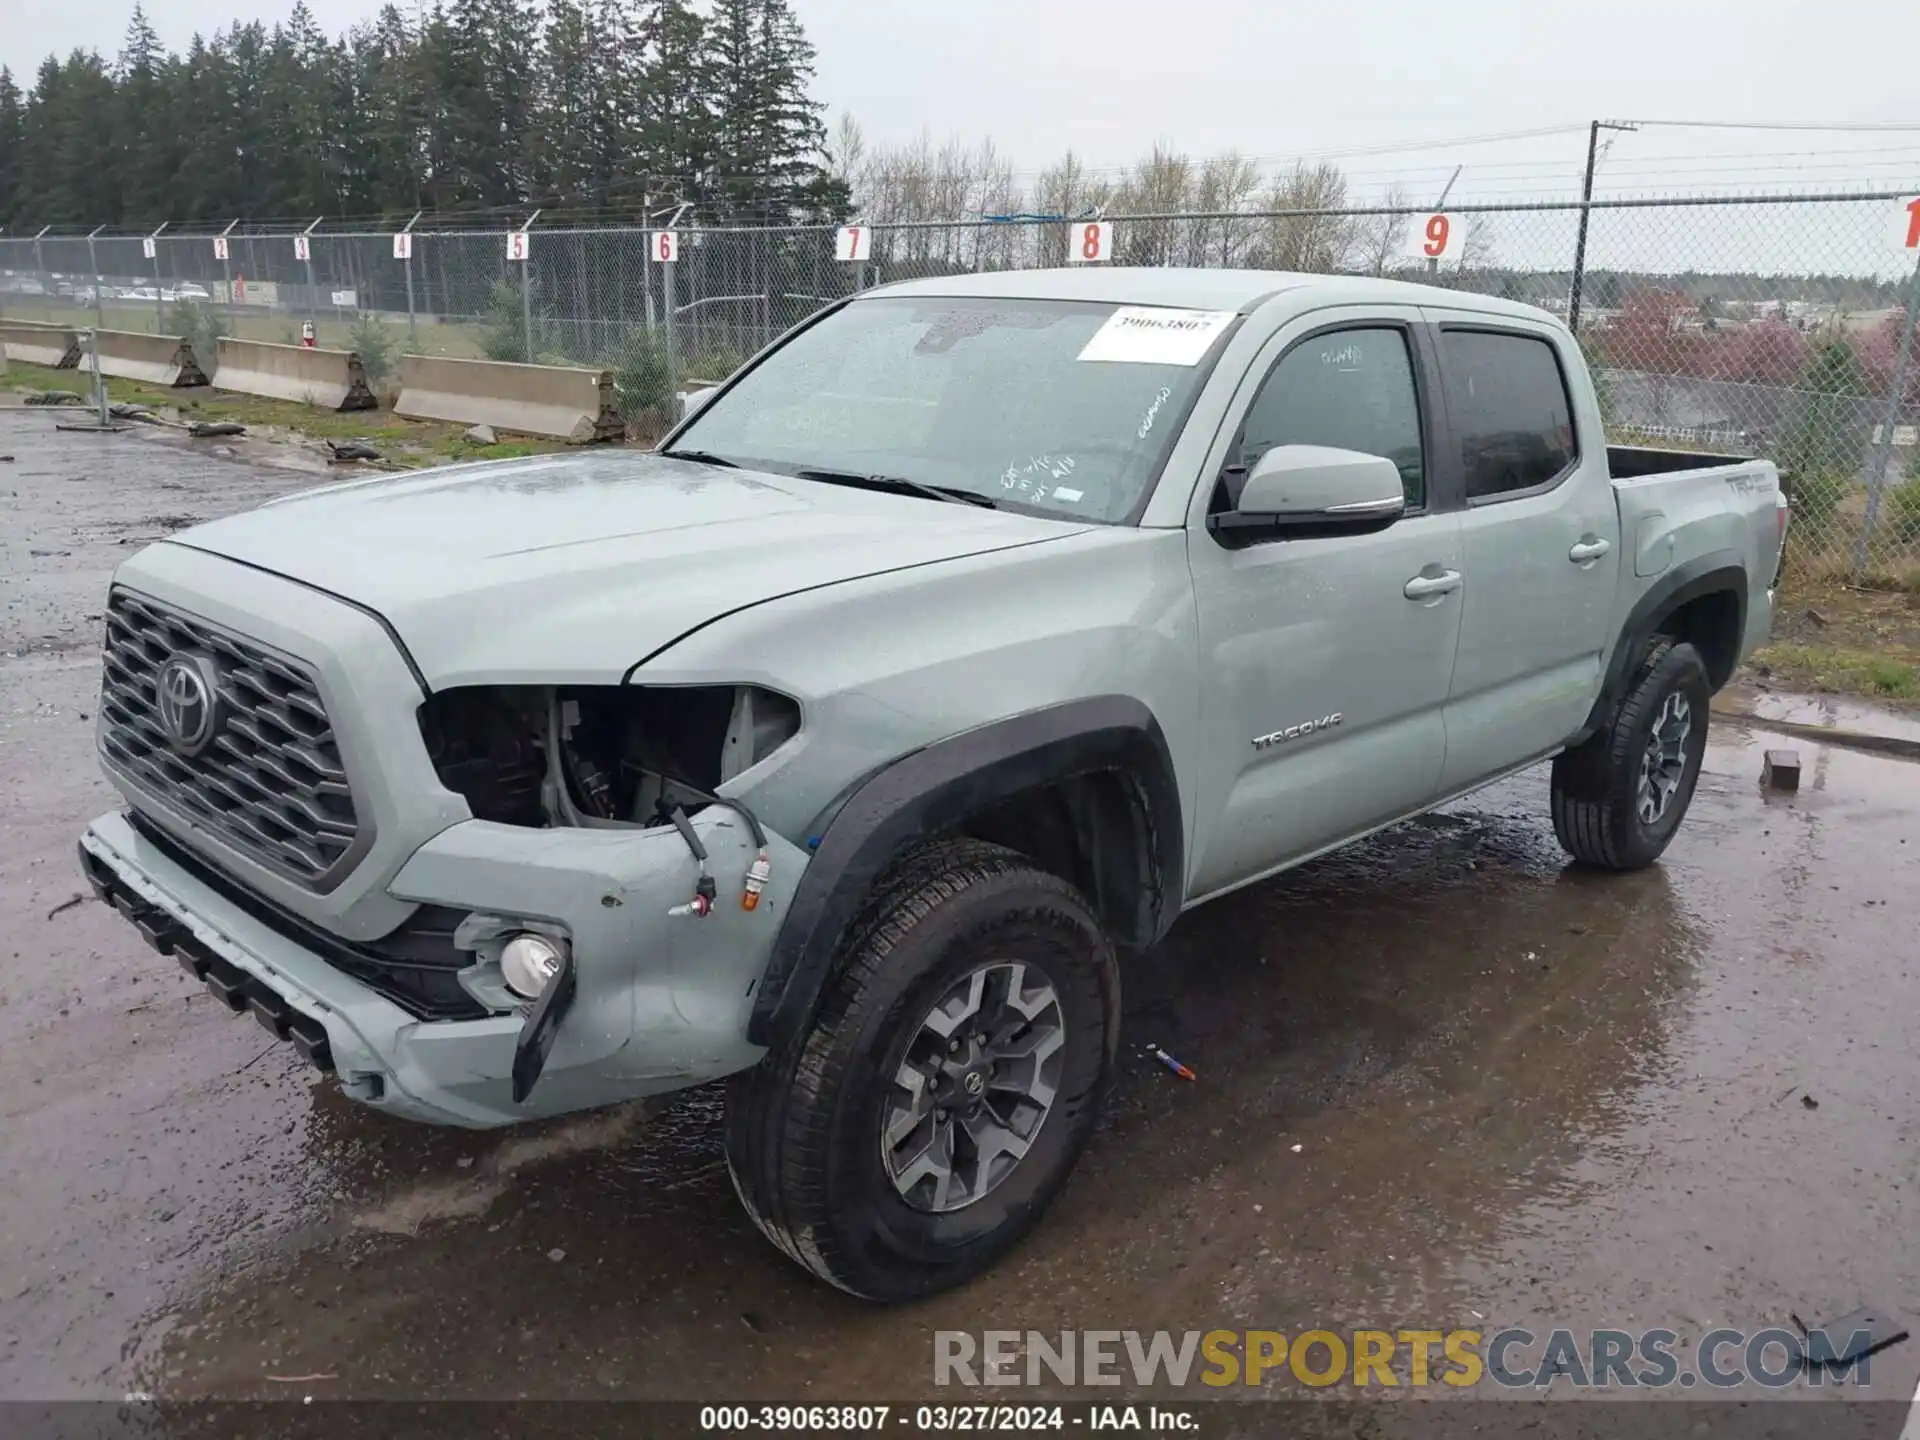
1540	542
1324	661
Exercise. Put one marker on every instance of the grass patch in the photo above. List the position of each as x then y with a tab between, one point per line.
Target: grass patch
412	442
1837	670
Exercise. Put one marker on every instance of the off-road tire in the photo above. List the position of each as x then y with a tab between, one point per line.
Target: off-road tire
803	1127
1596	784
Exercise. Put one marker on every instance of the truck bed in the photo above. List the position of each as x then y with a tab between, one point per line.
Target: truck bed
1630	462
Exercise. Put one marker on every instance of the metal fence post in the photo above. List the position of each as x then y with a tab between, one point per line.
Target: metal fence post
313	300
526	288
1883	452
40	264
99	281
159	285
226	264
413	330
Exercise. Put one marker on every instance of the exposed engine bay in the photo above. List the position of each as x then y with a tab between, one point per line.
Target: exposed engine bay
599	755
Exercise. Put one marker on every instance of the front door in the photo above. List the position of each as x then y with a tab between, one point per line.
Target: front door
1325	661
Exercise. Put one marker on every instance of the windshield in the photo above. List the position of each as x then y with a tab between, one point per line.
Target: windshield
1057	406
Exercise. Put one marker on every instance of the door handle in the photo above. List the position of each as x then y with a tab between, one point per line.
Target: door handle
1426	587
1587	550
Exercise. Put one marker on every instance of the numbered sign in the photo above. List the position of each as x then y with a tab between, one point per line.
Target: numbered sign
1433	237
852	242
517	243
1906	229
219	247
1089	242
149	247
403	246
664	246
302	249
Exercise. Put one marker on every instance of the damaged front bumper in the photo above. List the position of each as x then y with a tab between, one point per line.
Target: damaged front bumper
659	1001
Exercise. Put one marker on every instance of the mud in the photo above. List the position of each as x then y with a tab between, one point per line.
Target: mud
1443	1081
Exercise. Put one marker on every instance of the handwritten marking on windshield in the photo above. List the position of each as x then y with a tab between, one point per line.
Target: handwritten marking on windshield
1153	412
1041	468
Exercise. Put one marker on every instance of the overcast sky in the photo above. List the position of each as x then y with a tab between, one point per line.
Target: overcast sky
1109	77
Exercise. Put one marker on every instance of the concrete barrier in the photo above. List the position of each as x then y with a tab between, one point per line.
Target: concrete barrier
35	344
551	400
154	359
328	379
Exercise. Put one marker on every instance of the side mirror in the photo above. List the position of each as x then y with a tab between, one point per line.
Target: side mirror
1297	491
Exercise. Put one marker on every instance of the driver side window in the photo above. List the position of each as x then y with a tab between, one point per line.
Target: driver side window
1352	389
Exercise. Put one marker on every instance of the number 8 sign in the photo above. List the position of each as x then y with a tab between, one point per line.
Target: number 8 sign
664	246
1432	236
1089	242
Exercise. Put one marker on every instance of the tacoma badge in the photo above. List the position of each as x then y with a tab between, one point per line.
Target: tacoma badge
1294	732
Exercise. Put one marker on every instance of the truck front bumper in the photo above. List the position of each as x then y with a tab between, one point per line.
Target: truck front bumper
661	1001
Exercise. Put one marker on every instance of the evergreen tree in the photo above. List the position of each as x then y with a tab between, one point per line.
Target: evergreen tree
11	140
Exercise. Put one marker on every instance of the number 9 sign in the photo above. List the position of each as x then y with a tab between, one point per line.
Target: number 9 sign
1431	237
664	246
1089	242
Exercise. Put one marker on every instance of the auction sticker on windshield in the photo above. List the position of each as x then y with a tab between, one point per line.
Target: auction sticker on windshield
1155	335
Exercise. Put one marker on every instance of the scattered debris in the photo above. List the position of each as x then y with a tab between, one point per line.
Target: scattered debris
1781	770
556	1255
299	1379
206	429
47	554
77	898
352	450
6	459
1816	617
1859	1333
55	397
128	410
482	435
1298	1148
1172	1064
1807	1102
753	1322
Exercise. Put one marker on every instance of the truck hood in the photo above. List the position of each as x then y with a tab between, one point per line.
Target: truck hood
572	568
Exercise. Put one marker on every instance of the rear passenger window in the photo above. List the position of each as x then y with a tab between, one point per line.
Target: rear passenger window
1507	401
1352	389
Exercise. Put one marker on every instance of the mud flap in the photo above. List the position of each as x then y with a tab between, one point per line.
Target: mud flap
537	1035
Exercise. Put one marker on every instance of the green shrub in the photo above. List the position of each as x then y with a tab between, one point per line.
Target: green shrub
201	326
1816	496
1903	511
505	335
716	360
642	377
376	345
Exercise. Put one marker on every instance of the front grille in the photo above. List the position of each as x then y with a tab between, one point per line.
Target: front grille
269	781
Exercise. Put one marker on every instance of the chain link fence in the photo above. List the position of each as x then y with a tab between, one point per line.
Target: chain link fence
1756	325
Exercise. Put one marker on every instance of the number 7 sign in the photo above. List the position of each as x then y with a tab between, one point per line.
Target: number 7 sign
852	242
1089	242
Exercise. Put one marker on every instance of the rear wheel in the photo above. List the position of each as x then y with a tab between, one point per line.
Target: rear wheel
1619	798
922	1124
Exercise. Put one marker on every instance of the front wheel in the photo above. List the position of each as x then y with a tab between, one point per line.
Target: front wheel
923	1123
1619	797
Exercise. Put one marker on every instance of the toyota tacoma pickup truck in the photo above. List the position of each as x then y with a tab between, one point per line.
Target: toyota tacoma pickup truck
845	747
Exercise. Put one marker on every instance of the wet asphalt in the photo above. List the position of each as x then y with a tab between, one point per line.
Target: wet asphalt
1444	1081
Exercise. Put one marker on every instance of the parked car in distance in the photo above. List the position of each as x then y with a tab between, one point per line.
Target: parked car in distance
847	747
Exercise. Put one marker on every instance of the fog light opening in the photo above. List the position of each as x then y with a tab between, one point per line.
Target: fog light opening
529	962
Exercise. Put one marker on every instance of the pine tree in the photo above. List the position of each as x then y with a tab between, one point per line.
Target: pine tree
11	140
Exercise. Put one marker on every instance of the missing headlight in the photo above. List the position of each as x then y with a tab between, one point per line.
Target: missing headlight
599	755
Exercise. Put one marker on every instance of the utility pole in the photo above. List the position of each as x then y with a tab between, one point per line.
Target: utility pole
1586	212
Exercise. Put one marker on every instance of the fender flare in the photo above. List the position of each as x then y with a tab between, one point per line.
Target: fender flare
1717	572
935	789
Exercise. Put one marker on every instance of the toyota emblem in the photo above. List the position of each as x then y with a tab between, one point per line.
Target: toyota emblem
188	700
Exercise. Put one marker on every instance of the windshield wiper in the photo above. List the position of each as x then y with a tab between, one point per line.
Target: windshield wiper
900	485
704	457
